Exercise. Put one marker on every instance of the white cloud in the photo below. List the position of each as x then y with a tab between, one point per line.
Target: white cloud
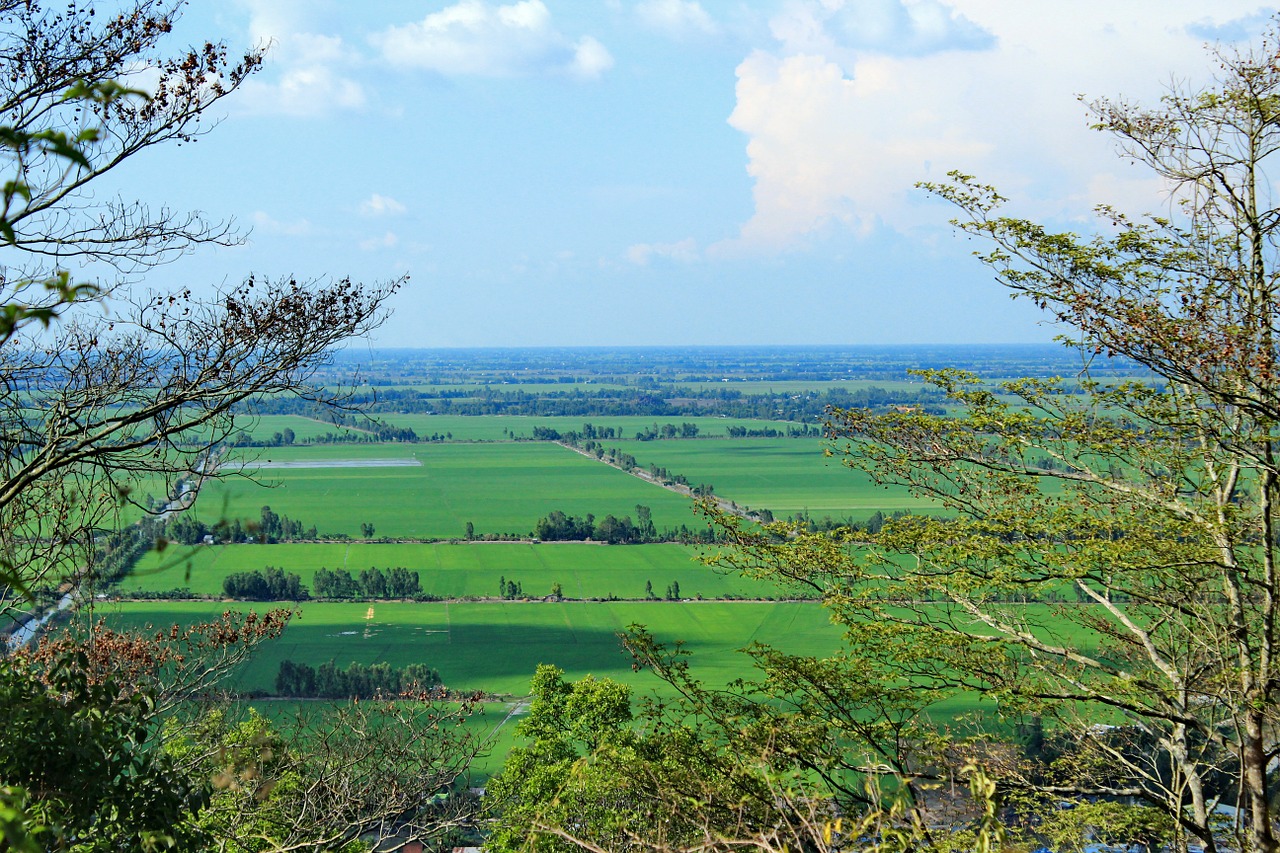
685	251
590	58
676	18
826	149
381	205
474	38
302	91
387	241
262	221
839	129
306	73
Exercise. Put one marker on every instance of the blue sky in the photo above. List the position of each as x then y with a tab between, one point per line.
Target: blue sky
666	171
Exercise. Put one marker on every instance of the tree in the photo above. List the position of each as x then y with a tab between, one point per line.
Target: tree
541	784
98	395
334	777
82	752
1158	504
645	529
92	405
585	775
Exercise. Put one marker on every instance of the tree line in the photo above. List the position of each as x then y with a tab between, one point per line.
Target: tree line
270	528
558	526
267	584
372	584
663	401
357	681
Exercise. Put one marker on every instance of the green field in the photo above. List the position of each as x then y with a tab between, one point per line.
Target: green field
500	488
785	475
496	646
458	570
263	427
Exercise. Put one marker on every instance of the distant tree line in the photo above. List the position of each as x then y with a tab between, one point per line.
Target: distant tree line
627	462
302	681
357	427
270	528
558	526
590	434
645	400
685	430
723	366
802	431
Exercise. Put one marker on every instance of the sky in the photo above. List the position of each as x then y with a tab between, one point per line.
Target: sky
667	172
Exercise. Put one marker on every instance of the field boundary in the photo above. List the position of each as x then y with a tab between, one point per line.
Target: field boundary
724	504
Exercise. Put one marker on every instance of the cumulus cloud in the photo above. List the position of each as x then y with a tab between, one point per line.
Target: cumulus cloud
828	149
381	205
590	58
839	126
676	18
302	91
389	240
685	251
844	116
307	74
473	37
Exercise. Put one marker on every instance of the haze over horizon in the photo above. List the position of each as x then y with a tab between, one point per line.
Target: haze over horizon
668	172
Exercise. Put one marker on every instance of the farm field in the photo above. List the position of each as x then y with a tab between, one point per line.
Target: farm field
785	475
435	489
458	570
496	646
263	427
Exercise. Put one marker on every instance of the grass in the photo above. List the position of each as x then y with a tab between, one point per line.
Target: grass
263	427
496	647
458	570
500	488
785	475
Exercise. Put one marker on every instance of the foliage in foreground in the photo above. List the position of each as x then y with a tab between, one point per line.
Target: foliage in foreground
129	746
